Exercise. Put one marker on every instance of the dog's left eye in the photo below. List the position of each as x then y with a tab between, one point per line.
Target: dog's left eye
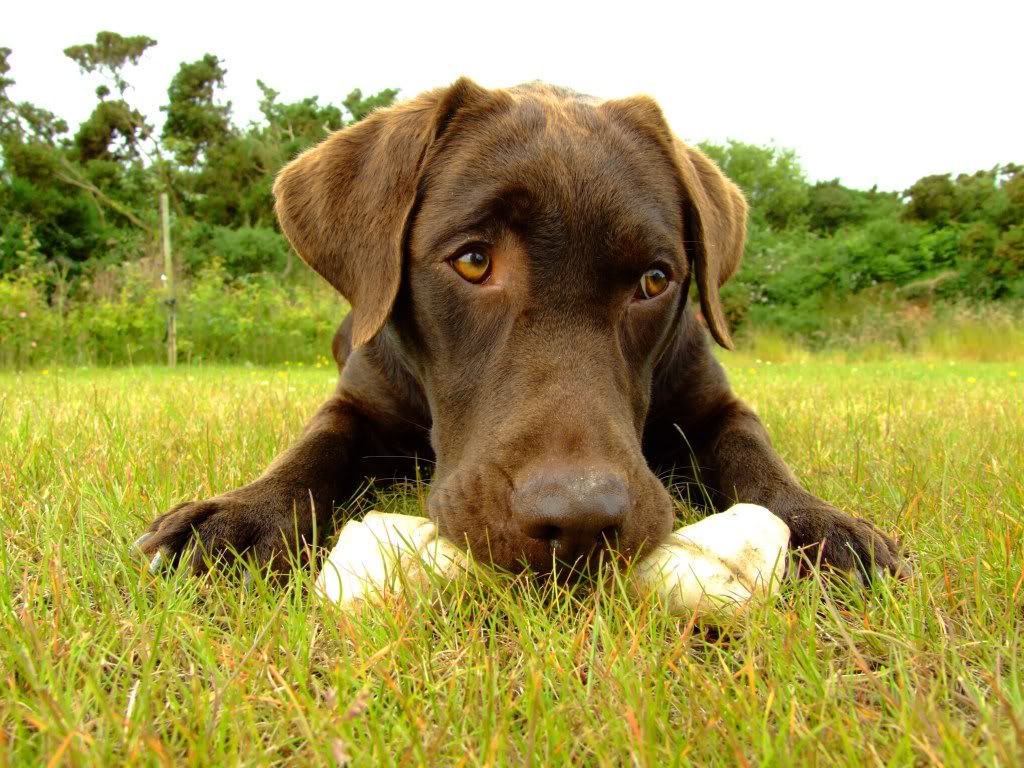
653	283
473	266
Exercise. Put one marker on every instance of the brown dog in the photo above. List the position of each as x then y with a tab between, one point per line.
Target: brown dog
518	263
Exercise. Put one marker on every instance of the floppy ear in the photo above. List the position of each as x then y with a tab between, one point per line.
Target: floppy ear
345	203
715	221
714	210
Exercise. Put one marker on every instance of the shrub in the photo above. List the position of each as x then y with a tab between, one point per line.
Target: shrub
256	318
240	251
120	317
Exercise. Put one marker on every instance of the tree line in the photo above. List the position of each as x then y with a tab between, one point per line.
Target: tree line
816	249
87	196
78	205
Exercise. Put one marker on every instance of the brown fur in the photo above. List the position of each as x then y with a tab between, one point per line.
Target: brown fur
549	378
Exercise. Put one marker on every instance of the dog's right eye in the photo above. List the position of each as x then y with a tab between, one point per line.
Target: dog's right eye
473	266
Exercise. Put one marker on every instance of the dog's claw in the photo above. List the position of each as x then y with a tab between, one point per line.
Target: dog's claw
247	582
157	561
137	544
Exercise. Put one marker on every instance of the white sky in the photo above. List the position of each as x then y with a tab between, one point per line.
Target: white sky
864	91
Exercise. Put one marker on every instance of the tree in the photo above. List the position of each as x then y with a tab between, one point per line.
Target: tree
1008	260
112	132
109	55
231	177
195	120
931	199
973	195
297	124
359	107
1012	189
830	205
23	119
771	178
115	129
7	116
89	199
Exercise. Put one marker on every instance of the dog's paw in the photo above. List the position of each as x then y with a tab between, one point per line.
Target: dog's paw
242	523
845	543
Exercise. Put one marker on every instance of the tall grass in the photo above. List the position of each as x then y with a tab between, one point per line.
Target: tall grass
103	663
985	333
120	318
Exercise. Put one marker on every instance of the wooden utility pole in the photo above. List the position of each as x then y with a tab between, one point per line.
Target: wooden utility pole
172	298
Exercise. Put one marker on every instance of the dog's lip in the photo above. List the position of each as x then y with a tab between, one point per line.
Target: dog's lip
540	557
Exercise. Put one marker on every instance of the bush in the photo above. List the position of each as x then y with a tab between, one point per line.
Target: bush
27	324
241	251
256	318
128	327
120	317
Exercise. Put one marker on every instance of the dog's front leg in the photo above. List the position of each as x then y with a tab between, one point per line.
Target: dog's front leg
737	463
700	430
273	518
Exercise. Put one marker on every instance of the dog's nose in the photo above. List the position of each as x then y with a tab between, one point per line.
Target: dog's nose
573	509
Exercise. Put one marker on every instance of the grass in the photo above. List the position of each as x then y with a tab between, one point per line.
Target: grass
103	663
873	328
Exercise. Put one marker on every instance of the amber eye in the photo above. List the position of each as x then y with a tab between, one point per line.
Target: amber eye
474	266
653	283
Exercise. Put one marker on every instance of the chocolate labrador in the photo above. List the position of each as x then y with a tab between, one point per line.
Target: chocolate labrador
519	263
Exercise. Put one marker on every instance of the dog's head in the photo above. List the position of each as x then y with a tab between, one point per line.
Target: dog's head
527	252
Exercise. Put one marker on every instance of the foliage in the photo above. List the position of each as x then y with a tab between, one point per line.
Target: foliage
119	316
195	122
110	54
111	132
771	178
80	195
112	121
820	252
821	257
253	251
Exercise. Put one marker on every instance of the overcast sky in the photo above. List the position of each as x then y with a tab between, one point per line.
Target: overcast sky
867	92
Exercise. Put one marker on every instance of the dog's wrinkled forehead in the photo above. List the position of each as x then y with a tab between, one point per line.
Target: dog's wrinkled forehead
558	173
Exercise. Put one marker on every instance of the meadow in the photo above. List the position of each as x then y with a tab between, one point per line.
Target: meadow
103	663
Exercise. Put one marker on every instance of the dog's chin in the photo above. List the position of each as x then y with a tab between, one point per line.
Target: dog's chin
500	548
540	558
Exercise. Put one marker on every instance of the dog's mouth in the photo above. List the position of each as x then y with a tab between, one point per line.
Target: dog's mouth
553	532
510	551
548	559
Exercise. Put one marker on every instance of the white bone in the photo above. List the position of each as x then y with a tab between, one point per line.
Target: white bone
371	554
717	565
